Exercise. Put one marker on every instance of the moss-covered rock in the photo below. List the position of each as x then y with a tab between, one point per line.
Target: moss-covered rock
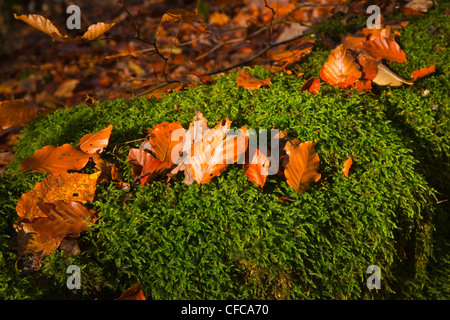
230	240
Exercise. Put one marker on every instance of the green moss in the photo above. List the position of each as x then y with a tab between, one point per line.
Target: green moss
230	240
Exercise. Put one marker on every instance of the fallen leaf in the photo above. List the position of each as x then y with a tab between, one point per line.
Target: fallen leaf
17	112
134	293
386	77
56	160
312	85
63	219
65	90
95	142
67	186
302	166
294	54
160	140
29	241
347	164
212	155
246	81
153	169
257	169
379	48
138	159
416	75
420	5
341	68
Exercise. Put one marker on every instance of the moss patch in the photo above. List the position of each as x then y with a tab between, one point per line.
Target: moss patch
230	240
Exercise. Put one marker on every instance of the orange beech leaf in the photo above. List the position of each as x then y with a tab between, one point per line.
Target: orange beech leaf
246	81
138	159
17	112
347	164
369	67
56	160
152	169
67	186
380	48
212	155
63	219
302	166
96	30
182	15
41	23
29	241
293	54
416	75
410	11
160	140
312	85
93	142
354	41
134	293
258	168
341	68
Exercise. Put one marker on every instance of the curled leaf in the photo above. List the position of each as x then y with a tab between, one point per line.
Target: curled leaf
96	30
42	24
312	85
380	48
258	168
247	81
93	142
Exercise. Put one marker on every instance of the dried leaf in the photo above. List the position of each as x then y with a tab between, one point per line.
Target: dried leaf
41	23
138	159
211	156
56	160
153	169
302	166
246	81
416	75
386	77
95	142
312	85
31	242
160	140
63	219
67	186
17	112
258	168
65	90
379	48
134	293
420	5
340	69
293	54
96	30
347	164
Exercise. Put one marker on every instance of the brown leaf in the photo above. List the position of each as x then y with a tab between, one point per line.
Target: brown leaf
347	164
312	85
153	169
63	219
93	142
340	69
212	155
246	81
302	166
416	75
258	168
42	24
67	186
17	112
31	242
134	293
386	77
294	54
160	140
65	90
380	48
56	160
138	159
96	30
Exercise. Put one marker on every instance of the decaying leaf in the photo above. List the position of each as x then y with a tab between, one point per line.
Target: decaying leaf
67	186
56	160
416	75
95	142
96	30
312	85
247	81
42	24
347	164
257	169
302	166
386	77
341	69
16	113
134	293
